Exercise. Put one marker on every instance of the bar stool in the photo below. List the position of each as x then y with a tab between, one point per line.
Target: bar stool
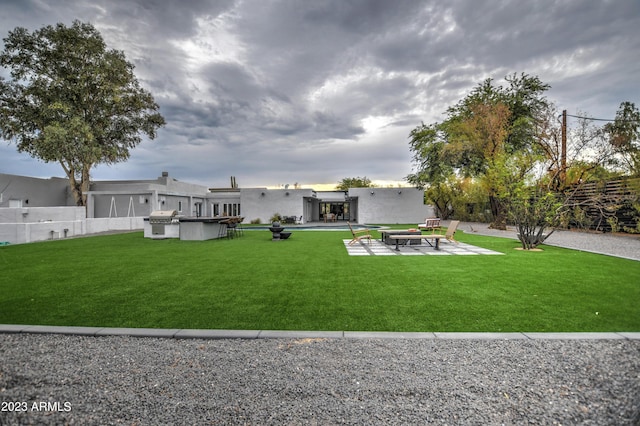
231	228
239	228
223	231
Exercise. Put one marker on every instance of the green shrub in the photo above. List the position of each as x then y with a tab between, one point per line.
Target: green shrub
276	217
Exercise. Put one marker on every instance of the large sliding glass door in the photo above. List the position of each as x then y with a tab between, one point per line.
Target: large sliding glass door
341	210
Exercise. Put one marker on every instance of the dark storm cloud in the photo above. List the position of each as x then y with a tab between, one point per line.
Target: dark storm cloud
288	91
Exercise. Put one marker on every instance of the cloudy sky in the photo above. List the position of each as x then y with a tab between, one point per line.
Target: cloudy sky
313	91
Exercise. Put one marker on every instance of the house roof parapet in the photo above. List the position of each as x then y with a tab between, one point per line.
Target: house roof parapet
214	190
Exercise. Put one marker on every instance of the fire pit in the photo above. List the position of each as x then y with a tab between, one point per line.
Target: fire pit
277	233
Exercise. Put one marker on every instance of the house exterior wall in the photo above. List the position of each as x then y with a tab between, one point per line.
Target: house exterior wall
222	202
329	196
138	198
34	192
390	205
286	202
163	183
123	204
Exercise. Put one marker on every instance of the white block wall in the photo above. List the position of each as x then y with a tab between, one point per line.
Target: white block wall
391	205
25	225
258	206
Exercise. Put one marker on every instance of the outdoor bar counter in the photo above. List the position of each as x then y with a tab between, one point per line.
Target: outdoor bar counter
203	228
167	224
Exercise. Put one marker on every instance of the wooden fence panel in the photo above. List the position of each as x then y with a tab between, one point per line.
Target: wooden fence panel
609	203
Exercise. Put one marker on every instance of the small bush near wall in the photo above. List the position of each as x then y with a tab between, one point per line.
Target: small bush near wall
276	217
256	221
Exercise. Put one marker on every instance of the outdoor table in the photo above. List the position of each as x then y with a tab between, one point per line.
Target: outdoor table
384	236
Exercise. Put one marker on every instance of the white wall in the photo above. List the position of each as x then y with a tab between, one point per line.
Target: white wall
25	225
391	205
18	233
287	202
40	214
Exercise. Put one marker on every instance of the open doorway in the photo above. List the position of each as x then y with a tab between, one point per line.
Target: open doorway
341	210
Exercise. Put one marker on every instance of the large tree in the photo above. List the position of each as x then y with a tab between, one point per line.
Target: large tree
73	101
479	133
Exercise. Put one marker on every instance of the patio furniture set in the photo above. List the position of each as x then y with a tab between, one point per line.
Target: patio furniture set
330	217
293	220
409	236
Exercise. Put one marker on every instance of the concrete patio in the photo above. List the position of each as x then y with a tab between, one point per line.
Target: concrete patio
447	248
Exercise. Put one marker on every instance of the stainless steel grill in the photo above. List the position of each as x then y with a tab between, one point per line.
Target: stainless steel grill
159	219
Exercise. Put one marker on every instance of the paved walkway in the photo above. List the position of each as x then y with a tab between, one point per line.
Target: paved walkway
176	333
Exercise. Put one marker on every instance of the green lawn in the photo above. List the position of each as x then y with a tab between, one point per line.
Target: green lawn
310	283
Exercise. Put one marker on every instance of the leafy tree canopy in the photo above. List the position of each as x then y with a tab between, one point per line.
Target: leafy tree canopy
481	130
511	143
489	121
624	136
357	182
73	101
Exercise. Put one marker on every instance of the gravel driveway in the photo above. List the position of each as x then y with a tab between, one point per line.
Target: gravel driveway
127	380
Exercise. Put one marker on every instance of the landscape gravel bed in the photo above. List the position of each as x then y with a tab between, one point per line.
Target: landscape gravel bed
619	245
61	379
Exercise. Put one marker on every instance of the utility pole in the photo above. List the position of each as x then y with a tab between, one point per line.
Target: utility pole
563	152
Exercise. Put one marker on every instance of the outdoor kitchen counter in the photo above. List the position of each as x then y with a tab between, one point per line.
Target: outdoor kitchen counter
216	219
203	228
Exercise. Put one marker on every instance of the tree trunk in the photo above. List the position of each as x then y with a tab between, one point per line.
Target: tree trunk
498	212
442	208
74	185
85	184
531	235
80	188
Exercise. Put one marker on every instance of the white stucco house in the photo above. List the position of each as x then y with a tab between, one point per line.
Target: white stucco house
360	205
27	203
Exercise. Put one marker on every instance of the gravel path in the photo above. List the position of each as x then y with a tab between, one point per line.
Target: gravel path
125	380
60	379
626	246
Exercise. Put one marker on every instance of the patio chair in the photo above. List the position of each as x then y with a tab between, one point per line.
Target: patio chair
360	234
451	230
430	224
